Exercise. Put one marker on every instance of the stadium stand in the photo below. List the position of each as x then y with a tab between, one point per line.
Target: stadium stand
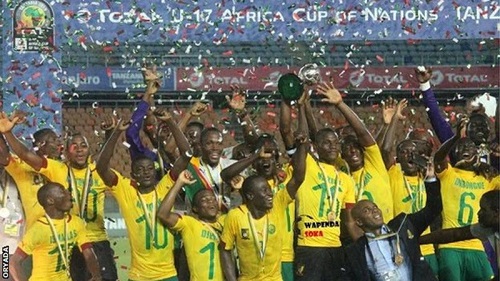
384	52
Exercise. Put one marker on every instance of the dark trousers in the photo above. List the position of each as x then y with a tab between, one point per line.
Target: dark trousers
317	263
105	257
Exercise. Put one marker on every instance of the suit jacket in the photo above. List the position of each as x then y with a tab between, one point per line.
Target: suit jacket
355	266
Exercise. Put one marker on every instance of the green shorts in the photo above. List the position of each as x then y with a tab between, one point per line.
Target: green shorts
287	271
433	263
173	278
463	265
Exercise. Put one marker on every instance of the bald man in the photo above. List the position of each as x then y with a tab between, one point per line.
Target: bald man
391	251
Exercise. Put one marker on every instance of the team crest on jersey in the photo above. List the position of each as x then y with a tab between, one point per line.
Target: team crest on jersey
271	229
245	234
410	235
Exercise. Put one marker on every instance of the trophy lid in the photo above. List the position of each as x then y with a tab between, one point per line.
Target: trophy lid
290	86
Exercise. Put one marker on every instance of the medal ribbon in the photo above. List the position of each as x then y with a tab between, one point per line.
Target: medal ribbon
361	186
81	202
150	217
420	189
332	195
397	254
261	249
64	254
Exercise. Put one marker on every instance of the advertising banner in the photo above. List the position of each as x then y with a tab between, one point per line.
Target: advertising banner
375	78
112	78
257	20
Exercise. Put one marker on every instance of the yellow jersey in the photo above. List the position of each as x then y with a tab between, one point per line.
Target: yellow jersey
40	242
409	196
461	191
201	241
372	182
28	182
287	231
495	183
151	243
93	214
324	192
258	241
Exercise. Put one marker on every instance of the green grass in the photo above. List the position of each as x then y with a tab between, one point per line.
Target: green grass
122	256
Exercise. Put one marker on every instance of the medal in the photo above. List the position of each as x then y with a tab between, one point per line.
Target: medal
398	259
4	213
332	193
398	256
331	216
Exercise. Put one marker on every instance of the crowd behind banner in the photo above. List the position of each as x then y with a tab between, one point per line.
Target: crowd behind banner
338	203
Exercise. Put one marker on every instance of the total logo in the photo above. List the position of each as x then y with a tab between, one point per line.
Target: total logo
437	77
198	79
106	15
357	78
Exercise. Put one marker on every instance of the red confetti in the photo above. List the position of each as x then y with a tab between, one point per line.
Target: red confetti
228	53
409	29
380	58
272	127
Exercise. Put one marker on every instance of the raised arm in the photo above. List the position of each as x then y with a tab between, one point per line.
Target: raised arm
440	160
441	127
92	264
228	173
180	139
164	213
433	205
108	124
449	235
387	147
102	166
311	120
4	152
132	135
196	110
334	97
286	125
495	145
28	156
237	103
299	157
388	111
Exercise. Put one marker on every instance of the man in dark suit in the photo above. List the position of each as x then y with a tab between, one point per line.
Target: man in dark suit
391	251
